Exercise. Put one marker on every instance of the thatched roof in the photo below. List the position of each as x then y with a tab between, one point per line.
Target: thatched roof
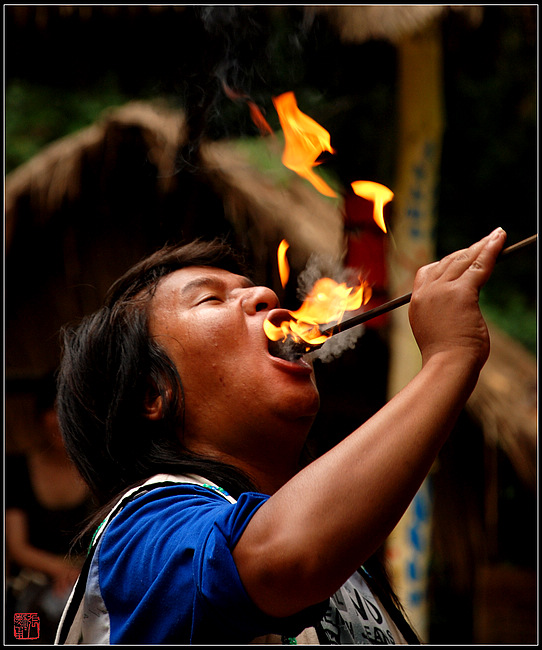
358	24
93	203
355	23
505	404
53	177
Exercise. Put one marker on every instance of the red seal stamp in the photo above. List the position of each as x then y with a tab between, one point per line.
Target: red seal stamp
26	626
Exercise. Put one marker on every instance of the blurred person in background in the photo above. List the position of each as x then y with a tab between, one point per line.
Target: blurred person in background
46	505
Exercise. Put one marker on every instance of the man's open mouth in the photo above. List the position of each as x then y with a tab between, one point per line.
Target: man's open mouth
288	350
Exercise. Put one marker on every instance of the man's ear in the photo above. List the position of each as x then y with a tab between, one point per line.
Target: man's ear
153	406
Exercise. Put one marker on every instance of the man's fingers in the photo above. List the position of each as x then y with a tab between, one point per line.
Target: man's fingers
484	263
480	256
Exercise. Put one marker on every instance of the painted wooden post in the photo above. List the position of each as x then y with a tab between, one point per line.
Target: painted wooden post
412	245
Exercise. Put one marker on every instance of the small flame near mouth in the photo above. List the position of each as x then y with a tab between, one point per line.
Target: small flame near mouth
325	304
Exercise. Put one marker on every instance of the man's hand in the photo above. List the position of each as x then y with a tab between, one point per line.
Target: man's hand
444	313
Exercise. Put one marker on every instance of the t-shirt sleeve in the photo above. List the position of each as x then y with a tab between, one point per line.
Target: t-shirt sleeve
167	573
221	592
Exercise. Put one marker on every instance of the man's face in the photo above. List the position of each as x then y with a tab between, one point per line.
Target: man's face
210	323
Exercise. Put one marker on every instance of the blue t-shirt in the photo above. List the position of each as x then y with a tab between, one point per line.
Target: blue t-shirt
163	573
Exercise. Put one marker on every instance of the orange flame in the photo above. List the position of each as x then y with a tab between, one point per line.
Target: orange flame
305	140
377	193
328	300
326	304
284	267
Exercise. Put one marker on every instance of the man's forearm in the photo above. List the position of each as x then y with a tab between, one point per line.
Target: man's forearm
320	526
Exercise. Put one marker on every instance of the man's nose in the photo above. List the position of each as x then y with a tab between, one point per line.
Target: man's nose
259	298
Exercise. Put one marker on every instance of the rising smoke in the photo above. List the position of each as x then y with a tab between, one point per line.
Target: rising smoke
318	267
243	55
337	344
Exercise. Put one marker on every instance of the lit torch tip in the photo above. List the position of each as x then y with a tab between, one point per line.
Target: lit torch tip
292	350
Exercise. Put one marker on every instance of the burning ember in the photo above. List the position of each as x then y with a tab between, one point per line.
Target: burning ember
255	112
379	194
305	140
284	267
326	304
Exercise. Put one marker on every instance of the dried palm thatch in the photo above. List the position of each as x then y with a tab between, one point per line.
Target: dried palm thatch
88	206
471	529
54	177
505	404
358	24
355	23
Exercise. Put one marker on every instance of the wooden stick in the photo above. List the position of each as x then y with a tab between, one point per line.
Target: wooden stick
403	300
517	247
290	349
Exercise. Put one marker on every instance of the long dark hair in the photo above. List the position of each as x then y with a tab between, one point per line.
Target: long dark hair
110	365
